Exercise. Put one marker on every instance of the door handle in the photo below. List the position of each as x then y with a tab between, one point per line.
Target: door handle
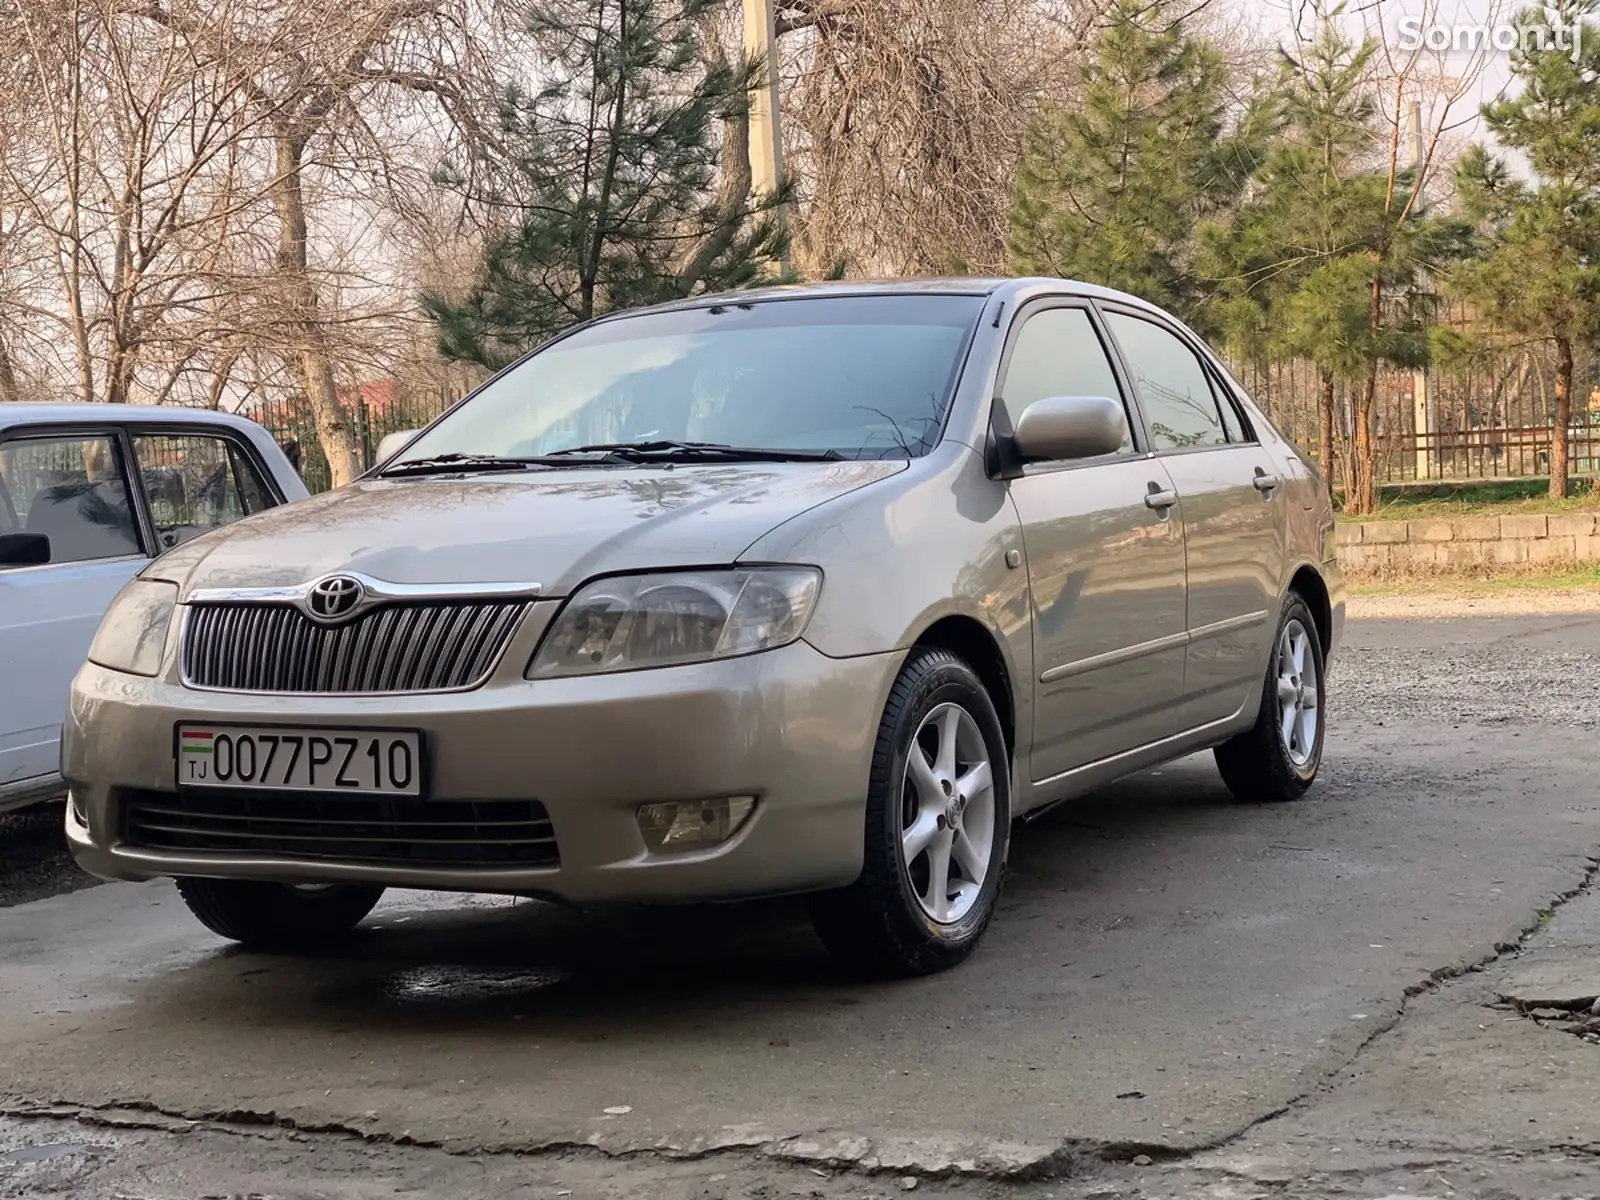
1265	482
1160	498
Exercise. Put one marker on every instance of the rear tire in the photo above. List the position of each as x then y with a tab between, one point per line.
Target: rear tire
276	915
945	814
1277	758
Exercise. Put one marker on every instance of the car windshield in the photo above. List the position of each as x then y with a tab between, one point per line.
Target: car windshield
863	376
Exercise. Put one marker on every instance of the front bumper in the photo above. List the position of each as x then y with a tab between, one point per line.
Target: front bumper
791	727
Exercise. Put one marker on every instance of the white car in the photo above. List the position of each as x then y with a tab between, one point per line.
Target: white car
90	493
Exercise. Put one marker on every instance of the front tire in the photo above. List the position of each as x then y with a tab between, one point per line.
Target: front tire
1278	757
937	830
276	915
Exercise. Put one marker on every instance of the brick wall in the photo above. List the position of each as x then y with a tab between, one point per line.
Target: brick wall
1468	545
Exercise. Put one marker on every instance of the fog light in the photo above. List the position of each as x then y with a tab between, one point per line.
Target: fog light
693	824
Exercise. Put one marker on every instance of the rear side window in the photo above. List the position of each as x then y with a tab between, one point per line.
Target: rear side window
1180	408
74	490
195	482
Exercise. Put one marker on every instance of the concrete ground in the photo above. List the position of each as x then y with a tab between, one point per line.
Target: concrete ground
1181	996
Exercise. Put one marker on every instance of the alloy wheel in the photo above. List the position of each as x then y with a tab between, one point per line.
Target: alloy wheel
947	813
1299	693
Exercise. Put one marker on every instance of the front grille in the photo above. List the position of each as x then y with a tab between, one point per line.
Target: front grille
350	829
402	647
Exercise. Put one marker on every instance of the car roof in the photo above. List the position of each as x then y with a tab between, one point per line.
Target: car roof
953	285
29	413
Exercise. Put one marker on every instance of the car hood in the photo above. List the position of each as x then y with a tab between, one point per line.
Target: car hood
554	528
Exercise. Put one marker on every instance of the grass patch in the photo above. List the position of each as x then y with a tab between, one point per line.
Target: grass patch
1481	500
1586	579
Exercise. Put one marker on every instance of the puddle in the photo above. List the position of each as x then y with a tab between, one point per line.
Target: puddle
436	984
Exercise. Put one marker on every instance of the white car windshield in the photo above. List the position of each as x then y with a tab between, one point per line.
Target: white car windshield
854	377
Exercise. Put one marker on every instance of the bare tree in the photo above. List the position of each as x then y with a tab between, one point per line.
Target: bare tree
123	182
904	119
305	68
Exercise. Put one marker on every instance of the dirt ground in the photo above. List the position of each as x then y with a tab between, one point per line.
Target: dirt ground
1381	989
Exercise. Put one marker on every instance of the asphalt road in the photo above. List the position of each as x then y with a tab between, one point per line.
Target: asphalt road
1170	968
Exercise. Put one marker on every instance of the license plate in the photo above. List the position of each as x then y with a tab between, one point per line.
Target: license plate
386	762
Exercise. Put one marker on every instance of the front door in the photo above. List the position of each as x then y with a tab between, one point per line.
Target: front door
1104	542
1232	520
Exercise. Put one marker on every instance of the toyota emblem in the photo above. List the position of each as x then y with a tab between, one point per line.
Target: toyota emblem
334	598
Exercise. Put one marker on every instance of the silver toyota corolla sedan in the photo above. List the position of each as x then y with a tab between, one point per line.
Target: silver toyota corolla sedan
810	591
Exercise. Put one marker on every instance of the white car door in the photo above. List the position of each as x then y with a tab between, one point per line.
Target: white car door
84	490
73	488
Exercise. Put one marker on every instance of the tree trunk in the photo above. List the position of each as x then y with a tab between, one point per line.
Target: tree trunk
309	357
589	279
1362	498
9	391
1325	430
1344	435
1563	419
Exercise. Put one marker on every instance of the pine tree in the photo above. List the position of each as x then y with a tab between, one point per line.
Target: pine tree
1110	186
1279	287
617	190
1324	260
1538	274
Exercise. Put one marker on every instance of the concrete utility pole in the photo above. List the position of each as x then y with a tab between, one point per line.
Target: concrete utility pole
766	133
1421	399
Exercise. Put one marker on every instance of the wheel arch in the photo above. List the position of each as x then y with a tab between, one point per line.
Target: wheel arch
1308	584
976	645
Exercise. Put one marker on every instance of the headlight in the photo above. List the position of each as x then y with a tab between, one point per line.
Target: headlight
659	620
133	632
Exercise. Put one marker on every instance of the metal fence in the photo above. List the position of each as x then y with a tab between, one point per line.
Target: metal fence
290	421
1491	418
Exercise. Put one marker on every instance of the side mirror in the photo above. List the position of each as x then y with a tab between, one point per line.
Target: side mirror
1060	428
392	444
24	550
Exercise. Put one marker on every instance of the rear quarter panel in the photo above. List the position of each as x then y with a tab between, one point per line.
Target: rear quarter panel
1308	523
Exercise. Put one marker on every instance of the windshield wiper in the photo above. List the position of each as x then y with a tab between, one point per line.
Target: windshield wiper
454	464
672	451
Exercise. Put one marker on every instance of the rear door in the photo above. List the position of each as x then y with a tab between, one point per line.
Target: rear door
1104	542
195	480
73	487
1228	489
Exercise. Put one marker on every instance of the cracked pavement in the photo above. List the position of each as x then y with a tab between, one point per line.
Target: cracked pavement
1285	1001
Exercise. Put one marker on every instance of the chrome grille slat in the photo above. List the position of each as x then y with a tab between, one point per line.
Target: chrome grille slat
405	646
500	629
475	635
416	637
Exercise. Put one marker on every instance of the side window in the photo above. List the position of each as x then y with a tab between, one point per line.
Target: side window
1231	421
1180	408
253	493
1058	353
73	490
195	483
